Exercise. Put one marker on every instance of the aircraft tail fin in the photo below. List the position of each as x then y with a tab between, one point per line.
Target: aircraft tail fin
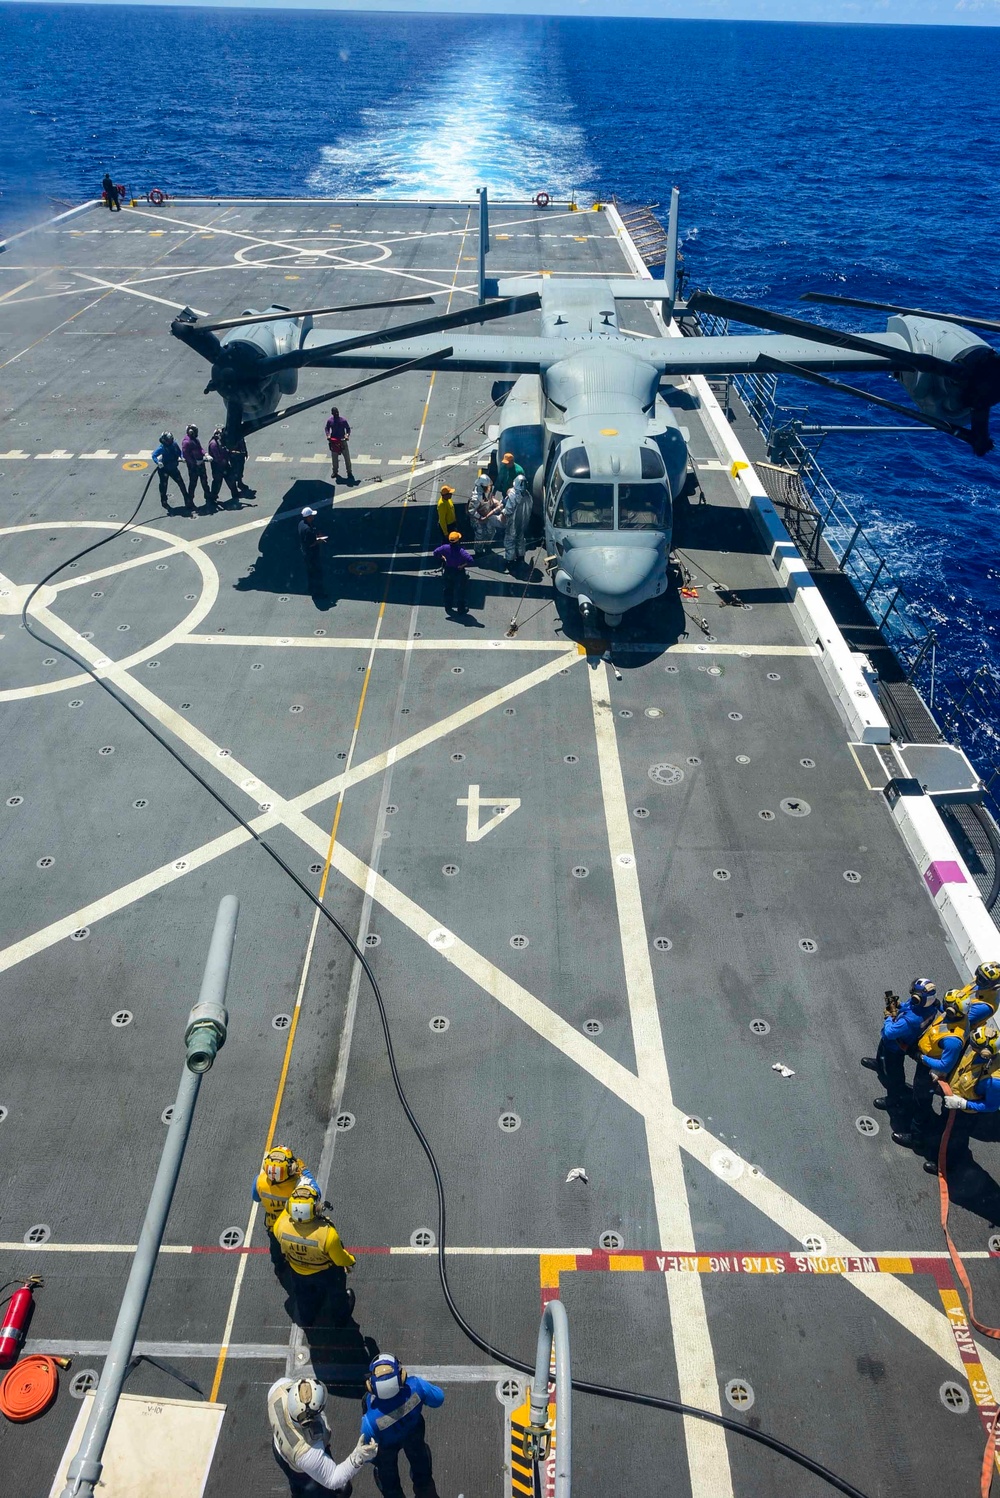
670	265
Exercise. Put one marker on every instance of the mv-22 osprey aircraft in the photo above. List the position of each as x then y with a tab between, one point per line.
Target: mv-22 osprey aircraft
602	449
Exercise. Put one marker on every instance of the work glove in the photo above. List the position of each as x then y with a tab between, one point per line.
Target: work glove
953	1102
363	1452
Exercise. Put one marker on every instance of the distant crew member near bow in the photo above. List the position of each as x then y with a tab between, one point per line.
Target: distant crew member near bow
111	197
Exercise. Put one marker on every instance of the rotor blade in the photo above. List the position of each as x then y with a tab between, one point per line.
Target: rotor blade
778	322
316	357
985	323
202	340
778	366
426	361
245	322
670	261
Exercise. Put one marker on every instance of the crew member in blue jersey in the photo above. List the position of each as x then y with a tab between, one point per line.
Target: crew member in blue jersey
394	1417
905	1021
938	1052
167	458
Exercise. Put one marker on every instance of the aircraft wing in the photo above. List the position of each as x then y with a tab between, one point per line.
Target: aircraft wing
471	352
495	353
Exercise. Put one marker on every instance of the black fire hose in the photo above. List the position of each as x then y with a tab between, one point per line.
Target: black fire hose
601	1391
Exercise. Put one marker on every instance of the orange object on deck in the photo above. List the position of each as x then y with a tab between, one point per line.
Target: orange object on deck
29	1388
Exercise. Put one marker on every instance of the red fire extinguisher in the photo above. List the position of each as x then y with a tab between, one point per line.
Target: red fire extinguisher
16	1318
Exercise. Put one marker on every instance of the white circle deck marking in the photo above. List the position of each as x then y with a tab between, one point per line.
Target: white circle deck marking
203	605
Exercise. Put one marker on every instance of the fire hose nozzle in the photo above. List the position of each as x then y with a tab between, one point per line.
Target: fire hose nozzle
208	1021
536	1442
204	1038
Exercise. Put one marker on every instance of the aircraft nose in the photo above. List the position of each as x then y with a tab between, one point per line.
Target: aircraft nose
616	577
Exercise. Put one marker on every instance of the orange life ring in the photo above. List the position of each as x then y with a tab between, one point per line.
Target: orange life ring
156	197
542	200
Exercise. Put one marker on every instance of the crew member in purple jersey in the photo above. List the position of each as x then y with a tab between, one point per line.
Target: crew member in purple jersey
338	431
454	561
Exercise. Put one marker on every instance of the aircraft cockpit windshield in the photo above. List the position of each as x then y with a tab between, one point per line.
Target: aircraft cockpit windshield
642	507
575	502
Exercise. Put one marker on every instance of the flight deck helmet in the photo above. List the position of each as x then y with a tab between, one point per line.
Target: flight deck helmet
386	1376
166	436
923	990
279	1164
984	1043
192	431
306	1399
988	975
303	1202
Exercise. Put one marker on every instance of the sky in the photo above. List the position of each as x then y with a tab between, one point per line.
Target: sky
875	12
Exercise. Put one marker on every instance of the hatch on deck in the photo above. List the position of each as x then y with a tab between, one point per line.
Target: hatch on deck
944	772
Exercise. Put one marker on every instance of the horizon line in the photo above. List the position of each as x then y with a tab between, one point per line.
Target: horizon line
460	8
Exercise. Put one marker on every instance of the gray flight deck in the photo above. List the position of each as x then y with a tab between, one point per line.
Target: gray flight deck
603	954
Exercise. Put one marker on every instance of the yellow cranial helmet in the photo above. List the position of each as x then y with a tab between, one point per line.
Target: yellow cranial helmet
303	1202
988	974
279	1164
984	1040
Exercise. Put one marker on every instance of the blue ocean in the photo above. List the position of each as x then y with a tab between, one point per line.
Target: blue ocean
857	159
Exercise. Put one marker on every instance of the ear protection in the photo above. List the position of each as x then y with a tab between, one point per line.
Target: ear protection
386	1377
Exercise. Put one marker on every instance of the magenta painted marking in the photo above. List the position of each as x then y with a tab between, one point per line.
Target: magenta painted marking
943	871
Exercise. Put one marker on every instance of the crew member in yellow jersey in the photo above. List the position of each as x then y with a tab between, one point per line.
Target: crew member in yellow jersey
280	1172
973	1087
975	1082
318	1260
978	1000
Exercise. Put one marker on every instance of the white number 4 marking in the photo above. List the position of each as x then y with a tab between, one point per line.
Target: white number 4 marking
476	831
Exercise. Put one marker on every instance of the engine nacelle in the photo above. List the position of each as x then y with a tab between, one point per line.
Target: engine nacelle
931	393
264	341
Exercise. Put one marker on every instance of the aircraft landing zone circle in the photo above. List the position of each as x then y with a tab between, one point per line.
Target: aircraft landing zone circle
48	598
291	254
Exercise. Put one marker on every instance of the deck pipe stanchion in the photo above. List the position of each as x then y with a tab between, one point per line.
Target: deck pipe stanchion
204	1037
554	1328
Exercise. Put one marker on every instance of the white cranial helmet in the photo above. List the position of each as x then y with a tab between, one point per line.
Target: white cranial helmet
306	1399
